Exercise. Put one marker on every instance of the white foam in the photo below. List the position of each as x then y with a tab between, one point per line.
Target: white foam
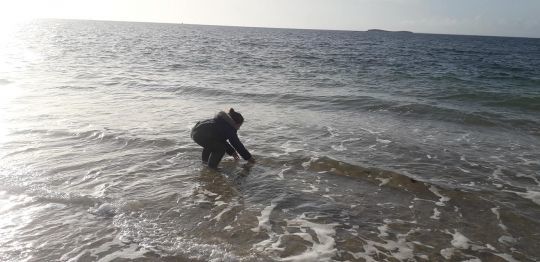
304	236
400	249
312	190
424	257
384	181
366	255
456	209
507	257
464	170
269	244
219	203
472	260
105	209
203	252
288	148
264	218
274	154
225	210
308	163
131	252
332	131
329	196
495	211
465	160
532	195
459	240
383	141
208	193
507	240
497	173
322	250
352	139
447	253
436	214
281	173
383	230
340	147
442	198
200	198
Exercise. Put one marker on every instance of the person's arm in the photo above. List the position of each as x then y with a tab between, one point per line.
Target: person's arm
229	149
235	142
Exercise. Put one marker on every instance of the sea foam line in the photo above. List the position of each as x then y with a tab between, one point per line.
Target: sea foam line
321	250
264	218
442	198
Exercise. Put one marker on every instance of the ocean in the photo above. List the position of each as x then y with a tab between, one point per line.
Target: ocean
370	146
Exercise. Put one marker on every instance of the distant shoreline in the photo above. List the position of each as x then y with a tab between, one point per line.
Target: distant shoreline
386	31
291	28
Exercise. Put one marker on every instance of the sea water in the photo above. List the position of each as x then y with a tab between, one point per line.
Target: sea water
370	146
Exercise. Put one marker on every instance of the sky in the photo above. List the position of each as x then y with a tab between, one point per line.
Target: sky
473	17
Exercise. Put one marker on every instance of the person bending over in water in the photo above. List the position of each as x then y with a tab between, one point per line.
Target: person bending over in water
212	135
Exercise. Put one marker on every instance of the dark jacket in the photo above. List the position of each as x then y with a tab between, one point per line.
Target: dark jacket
221	128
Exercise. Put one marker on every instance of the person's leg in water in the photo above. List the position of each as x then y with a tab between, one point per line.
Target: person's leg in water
205	155
213	152
217	153
201	134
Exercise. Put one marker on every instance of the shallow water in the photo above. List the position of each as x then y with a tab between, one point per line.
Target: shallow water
370	146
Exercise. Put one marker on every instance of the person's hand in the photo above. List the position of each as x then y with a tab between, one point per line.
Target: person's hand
251	160
235	155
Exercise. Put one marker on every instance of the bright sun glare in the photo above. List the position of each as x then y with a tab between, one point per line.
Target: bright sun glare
13	10
12	14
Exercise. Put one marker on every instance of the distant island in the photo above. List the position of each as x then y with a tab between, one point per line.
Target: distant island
386	31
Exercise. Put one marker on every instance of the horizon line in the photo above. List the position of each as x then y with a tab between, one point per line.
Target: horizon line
283	28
